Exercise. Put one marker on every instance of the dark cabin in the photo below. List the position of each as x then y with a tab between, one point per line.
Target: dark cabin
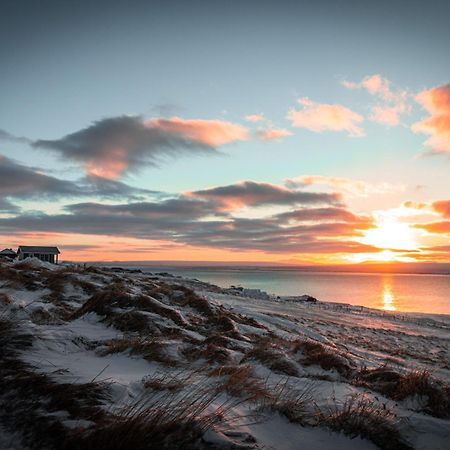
8	253
47	254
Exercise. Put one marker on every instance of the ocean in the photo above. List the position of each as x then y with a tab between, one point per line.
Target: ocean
425	293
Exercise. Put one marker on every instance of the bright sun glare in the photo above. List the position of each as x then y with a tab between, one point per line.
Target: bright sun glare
390	233
388	299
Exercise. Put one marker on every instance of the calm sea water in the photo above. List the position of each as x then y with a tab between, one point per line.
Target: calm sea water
393	292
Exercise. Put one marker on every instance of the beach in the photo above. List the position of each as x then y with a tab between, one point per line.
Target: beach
257	371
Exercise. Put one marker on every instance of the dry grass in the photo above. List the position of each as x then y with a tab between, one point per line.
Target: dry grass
400	386
190	298
151	305
315	353
106	303
239	318
5	299
19	276
224	340
150	349
218	339
56	281
295	404
160	290
213	354
132	322
382	374
86	286
159	421
240	381
165	382
30	400
222	322
272	358
41	316
362	417
12	339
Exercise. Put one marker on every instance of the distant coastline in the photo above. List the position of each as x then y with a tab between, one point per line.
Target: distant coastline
363	268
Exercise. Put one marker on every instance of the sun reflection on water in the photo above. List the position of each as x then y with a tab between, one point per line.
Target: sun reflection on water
388	298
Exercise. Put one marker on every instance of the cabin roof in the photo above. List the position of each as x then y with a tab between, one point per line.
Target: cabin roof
8	251
33	249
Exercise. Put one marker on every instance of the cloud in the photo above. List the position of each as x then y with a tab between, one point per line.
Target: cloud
415	205
394	103
7	207
354	187
442	227
113	146
375	85
5	136
251	193
22	182
255	118
95	186
319	117
387	115
239	234
316	221
270	134
177	209
436	102
442	207
438	249
212	133
327	214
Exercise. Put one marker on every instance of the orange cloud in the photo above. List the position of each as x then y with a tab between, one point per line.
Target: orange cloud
436	102
387	115
271	134
394	102
110	147
213	133
436	227
111	167
442	207
320	117
254	118
415	205
354	187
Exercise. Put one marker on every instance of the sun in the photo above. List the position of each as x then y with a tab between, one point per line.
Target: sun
391	234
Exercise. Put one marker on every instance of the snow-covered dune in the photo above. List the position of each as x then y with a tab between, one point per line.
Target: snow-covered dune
119	359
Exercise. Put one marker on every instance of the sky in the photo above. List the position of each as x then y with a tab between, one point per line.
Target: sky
257	131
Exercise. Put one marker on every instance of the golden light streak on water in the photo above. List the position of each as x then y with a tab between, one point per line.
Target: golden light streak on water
388	298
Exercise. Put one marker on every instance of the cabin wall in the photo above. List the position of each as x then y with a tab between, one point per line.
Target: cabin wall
46	257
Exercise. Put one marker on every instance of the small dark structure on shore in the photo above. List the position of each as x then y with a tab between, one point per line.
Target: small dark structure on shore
47	254
8	253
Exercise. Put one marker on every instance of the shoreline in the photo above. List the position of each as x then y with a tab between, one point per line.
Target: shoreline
272	294
369	268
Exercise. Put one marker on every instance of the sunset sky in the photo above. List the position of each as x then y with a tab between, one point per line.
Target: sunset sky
288	131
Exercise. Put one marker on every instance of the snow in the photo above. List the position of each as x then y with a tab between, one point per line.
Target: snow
279	434
35	263
71	352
